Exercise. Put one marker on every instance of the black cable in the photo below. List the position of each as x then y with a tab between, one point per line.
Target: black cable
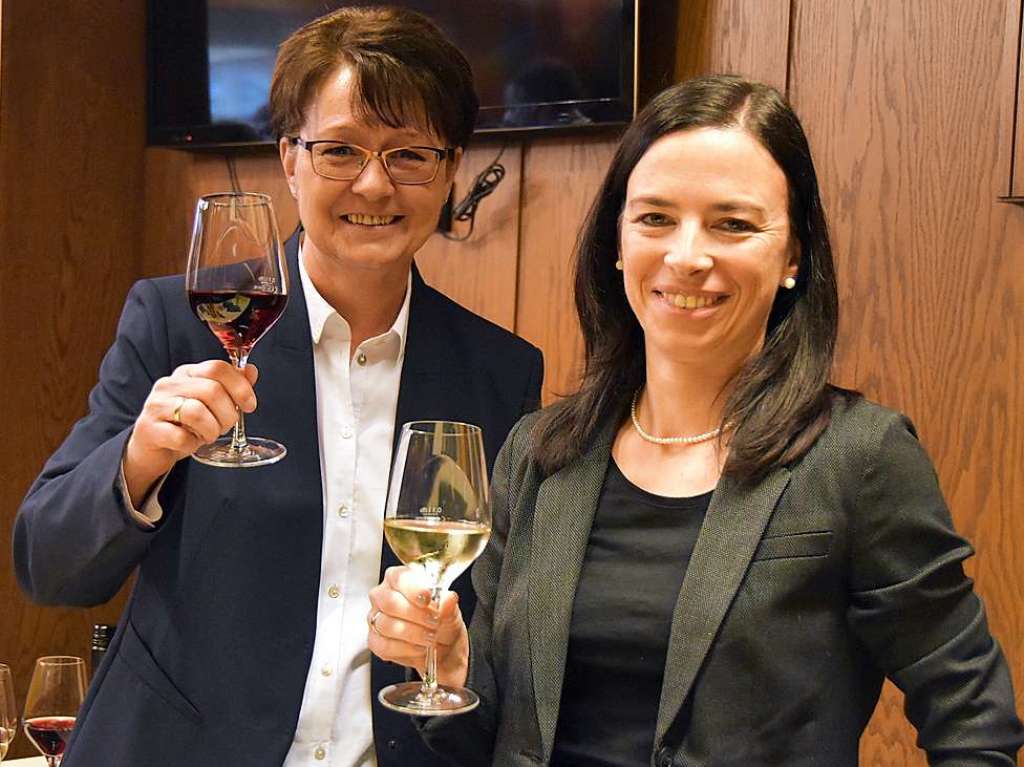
232	173
485	182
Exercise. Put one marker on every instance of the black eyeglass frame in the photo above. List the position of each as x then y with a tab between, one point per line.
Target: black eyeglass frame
443	153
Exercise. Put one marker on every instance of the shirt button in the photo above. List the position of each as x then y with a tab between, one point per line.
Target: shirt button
333	592
346	432
361	359
326	671
343	511
320	753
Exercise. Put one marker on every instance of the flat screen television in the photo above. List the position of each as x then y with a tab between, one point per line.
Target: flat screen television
538	64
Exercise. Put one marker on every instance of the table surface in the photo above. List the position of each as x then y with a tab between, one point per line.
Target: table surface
32	761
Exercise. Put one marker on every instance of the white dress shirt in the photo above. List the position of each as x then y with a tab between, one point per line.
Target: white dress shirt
357	398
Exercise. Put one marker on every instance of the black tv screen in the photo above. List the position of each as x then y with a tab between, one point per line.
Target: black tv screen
538	64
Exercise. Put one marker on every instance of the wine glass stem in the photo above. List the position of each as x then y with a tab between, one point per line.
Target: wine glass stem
238	440
430	676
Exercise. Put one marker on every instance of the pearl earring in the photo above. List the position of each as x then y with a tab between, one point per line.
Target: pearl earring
618	264
789	283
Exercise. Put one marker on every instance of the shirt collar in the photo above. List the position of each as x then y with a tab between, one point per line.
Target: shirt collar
320	312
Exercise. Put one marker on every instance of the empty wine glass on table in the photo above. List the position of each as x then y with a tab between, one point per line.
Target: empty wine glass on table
55	694
438	520
8	713
237	284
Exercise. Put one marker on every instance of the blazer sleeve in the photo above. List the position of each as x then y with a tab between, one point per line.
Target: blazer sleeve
916	611
468	739
74	541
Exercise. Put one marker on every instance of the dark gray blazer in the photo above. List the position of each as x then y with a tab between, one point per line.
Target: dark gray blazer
804	591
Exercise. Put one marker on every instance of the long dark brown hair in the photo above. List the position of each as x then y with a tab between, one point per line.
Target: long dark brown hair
780	400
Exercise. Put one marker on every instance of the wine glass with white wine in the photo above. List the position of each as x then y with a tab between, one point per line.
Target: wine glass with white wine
438	520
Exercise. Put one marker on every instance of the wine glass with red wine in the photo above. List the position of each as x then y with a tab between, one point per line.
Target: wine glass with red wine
54	696
8	714
237	284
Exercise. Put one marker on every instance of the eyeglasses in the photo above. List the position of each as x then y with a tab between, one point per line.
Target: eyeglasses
341	161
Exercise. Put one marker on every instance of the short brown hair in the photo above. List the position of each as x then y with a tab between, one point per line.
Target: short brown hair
407	72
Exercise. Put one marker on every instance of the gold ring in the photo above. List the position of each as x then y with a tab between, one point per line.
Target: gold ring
373	621
176	415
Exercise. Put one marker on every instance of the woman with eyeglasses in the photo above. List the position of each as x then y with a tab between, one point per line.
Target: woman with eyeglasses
244	641
709	556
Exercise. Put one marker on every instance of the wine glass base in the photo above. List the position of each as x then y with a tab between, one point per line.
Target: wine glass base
410	698
257	452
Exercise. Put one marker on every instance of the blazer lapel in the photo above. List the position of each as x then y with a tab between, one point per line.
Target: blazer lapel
424	390
563	515
428	364
287	379
735	522
292	330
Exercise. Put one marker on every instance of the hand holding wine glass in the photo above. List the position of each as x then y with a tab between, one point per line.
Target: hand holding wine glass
55	694
237	284
191	407
8	712
437	521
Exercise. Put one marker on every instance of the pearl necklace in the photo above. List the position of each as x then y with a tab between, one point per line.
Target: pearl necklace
697	438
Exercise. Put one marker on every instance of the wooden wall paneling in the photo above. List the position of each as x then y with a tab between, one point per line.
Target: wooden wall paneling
175	178
70	233
560	179
480	272
1	56
168	210
1017	181
896	98
745	37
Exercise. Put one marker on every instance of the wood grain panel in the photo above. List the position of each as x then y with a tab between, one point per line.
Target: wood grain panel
560	180
896	96
175	178
1	57
745	37
70	227
480	272
1017	183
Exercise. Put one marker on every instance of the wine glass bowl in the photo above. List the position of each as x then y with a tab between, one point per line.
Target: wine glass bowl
8	710
437	520
54	696
237	284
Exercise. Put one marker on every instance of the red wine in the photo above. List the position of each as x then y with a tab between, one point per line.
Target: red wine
50	733
238	318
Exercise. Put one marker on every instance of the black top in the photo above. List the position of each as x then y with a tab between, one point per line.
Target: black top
639	547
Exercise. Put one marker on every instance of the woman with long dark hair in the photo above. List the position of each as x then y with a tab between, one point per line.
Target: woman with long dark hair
708	555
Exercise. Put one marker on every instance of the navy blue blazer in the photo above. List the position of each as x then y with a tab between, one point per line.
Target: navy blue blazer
209	661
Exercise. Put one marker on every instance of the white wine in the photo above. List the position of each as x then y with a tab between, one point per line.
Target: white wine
5	740
442	547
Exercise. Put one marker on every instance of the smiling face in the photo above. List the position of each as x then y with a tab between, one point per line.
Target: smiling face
369	222
705	243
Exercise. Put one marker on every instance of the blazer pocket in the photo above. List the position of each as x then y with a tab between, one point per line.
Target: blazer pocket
794	546
134	654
